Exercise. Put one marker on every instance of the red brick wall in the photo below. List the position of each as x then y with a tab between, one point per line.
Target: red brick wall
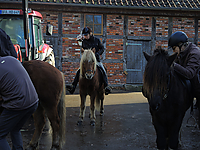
137	26
115	73
69	69
71	23
71	49
161	27
51	18
114	49
115	25
184	24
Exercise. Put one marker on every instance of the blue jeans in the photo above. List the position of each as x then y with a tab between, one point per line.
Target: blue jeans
11	121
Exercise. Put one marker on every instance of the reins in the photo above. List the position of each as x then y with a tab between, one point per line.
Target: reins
167	90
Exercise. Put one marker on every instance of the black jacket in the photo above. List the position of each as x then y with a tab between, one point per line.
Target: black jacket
16	87
188	65
6	46
94	42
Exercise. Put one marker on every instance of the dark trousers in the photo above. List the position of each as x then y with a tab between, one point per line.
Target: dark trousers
11	121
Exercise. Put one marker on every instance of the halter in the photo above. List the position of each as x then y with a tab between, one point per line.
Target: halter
167	90
87	71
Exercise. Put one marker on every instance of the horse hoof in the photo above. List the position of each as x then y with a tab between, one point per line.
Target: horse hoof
92	123
101	113
79	123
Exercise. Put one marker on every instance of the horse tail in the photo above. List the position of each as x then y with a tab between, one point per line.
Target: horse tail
97	102
62	114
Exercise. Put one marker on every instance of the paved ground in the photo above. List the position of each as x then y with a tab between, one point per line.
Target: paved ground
126	125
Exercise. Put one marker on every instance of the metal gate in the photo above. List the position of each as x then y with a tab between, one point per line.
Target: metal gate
135	60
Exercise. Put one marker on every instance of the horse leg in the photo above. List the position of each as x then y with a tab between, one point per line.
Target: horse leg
92	110
82	109
39	122
54	119
174	133
101	108
161	133
198	106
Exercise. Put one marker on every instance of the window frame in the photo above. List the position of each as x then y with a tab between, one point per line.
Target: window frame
94	24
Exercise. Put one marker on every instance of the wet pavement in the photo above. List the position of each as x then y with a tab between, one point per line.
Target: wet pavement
126	125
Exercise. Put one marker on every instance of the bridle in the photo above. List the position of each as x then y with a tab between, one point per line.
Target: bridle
168	85
167	90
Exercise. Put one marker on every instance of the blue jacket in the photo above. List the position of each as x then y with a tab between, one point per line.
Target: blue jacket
16	87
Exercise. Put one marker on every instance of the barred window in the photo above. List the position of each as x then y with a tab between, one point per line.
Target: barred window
95	22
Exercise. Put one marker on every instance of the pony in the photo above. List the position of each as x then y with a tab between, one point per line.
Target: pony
168	97
90	83
50	86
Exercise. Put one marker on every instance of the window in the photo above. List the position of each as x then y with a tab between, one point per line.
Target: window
95	22
38	32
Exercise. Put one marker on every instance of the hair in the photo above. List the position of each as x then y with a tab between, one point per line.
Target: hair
89	56
156	72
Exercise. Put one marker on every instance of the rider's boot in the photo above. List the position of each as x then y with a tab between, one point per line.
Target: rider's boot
107	88
71	88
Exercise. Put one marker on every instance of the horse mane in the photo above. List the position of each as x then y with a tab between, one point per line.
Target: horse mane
88	55
156	72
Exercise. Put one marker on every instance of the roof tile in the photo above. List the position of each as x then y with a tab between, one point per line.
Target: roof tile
177	4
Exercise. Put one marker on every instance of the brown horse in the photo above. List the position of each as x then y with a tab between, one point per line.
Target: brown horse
50	86
90	83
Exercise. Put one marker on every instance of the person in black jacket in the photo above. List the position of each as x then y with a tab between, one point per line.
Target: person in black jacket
91	42
6	46
18	100
187	63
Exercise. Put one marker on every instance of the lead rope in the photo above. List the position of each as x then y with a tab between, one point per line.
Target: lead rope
192	118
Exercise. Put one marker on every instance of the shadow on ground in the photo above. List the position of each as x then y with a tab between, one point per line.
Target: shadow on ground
126	125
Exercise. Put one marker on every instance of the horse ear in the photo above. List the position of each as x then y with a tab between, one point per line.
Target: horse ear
147	56
171	58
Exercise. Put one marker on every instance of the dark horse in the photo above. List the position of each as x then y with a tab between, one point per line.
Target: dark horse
90	83
167	96
50	86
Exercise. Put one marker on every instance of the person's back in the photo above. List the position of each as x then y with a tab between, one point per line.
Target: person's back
16	88
19	101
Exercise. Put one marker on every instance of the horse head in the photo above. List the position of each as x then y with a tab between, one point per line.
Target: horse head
156	77
88	64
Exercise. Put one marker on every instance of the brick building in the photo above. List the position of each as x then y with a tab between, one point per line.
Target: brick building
125	27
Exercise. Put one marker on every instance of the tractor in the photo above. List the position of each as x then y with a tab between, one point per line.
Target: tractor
26	34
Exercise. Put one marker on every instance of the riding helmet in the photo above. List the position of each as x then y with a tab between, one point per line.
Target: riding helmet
177	38
86	31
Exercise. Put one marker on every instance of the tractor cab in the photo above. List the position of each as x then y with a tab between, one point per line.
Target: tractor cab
11	21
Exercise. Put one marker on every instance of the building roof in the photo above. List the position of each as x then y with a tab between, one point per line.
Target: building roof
176	4
170	8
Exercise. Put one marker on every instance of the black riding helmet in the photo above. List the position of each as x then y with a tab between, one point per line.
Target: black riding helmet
86	31
176	38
